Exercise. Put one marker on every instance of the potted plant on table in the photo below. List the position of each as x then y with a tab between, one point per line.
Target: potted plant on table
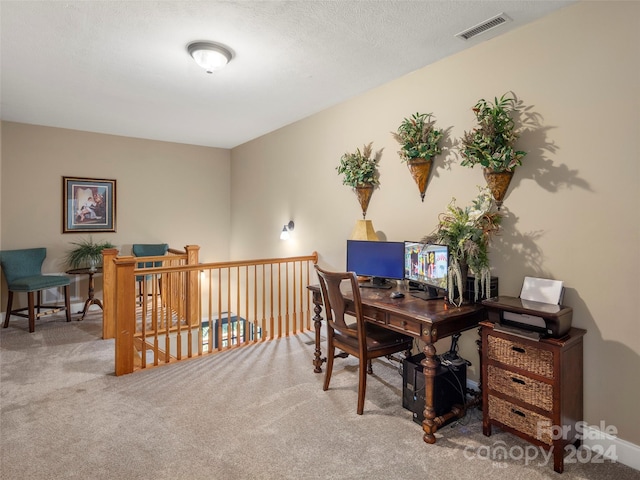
419	141
87	253
360	171
491	144
467	232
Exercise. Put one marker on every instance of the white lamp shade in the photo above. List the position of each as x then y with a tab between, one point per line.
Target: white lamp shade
285	233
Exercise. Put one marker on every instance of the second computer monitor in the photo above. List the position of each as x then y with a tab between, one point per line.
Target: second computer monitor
426	264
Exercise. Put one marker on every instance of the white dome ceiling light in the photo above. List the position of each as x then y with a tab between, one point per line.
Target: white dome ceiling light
209	55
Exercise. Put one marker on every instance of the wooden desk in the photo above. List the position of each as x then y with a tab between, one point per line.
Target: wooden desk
90	300
428	320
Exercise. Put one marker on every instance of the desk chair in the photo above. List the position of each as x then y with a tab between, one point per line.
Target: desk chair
148	250
362	340
23	272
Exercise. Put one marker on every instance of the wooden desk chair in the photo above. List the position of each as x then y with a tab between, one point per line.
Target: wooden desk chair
148	250
360	339
23	272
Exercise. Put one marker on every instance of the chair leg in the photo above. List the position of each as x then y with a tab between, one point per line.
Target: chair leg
32	312
8	314
329	367
362	384
369	367
67	302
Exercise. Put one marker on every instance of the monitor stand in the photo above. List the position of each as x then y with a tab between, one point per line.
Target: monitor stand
429	294
377	282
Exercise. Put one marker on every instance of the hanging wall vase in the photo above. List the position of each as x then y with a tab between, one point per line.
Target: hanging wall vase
420	172
364	195
498	183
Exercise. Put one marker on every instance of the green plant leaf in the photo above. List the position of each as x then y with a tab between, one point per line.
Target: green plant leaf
491	143
418	137
360	167
85	252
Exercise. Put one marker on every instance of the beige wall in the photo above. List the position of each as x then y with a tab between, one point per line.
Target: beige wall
165	192
572	209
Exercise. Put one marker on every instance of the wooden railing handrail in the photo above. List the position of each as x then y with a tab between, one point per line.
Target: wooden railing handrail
109	285
215	265
244	263
191	308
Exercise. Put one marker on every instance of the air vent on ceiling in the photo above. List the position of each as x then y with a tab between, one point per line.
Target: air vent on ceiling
484	26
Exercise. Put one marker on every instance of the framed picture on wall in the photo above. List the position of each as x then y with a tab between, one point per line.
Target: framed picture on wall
88	205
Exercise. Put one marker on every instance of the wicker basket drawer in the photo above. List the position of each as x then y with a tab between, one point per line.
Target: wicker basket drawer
521	419
533	392
532	359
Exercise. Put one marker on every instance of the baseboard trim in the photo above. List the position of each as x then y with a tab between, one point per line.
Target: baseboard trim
602	443
611	447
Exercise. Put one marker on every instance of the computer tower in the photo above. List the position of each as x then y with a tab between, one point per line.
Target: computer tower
449	390
470	292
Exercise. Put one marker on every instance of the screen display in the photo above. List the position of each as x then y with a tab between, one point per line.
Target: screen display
376	259
426	263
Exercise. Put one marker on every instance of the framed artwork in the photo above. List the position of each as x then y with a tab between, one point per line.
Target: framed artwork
89	205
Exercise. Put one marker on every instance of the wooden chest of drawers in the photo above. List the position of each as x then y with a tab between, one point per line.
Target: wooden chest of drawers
533	389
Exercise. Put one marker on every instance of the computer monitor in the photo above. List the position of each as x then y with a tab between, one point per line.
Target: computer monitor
382	261
426	267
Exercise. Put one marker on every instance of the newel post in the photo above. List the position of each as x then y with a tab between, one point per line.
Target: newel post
125	313
109	292
193	286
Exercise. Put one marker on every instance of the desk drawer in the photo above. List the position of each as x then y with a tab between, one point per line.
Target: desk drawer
529	358
533	392
409	326
374	315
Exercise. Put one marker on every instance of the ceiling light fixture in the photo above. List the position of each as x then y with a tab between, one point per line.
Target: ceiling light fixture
210	56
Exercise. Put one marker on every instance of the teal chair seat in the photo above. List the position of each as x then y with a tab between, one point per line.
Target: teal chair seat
148	250
23	272
38	282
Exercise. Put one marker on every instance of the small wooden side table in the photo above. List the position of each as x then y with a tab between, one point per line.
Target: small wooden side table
90	300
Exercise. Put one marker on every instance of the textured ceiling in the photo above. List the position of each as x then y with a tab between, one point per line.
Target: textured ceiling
121	67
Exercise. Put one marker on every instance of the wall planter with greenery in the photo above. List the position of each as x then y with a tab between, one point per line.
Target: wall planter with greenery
87	254
492	144
419	141
360	171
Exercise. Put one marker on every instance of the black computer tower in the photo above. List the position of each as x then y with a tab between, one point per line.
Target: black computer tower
449	390
470	293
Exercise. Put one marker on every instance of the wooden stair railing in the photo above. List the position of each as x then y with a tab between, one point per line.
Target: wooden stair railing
201	308
173	257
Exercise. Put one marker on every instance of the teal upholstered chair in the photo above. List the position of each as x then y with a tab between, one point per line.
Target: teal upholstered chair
148	250
23	271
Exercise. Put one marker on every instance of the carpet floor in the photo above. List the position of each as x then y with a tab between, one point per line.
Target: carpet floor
250	413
